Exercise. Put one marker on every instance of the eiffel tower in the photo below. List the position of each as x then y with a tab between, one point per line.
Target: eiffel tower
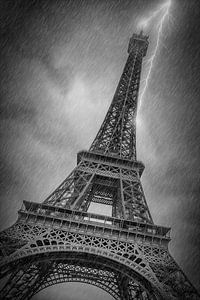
62	240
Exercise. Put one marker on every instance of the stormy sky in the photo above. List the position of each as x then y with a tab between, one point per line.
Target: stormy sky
60	64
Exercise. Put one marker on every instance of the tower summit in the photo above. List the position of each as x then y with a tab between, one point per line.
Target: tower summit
64	240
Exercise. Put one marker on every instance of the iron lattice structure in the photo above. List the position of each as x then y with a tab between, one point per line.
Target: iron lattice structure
59	240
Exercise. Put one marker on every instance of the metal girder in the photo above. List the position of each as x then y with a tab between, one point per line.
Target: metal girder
103	183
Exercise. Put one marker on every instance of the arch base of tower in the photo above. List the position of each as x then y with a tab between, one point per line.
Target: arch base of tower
33	274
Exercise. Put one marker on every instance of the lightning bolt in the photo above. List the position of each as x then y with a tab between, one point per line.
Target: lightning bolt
164	9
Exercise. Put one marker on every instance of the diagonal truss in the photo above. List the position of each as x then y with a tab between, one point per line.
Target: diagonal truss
101	180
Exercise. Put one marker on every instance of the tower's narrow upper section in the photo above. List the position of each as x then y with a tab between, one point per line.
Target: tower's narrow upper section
138	42
117	135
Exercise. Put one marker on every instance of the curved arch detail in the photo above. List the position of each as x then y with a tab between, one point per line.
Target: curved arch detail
117	266
88	268
139	268
46	241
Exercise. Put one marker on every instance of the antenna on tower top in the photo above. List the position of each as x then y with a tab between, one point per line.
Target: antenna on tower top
141	32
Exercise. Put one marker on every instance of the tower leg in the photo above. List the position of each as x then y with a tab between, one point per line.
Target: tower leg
123	287
130	290
24	282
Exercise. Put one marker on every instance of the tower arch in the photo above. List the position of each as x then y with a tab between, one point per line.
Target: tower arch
42	271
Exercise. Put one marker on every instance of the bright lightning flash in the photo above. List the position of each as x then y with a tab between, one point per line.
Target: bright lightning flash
164	9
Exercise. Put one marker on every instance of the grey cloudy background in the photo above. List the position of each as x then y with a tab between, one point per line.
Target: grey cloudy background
60	64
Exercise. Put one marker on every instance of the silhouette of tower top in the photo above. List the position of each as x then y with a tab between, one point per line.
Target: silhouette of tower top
138	42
